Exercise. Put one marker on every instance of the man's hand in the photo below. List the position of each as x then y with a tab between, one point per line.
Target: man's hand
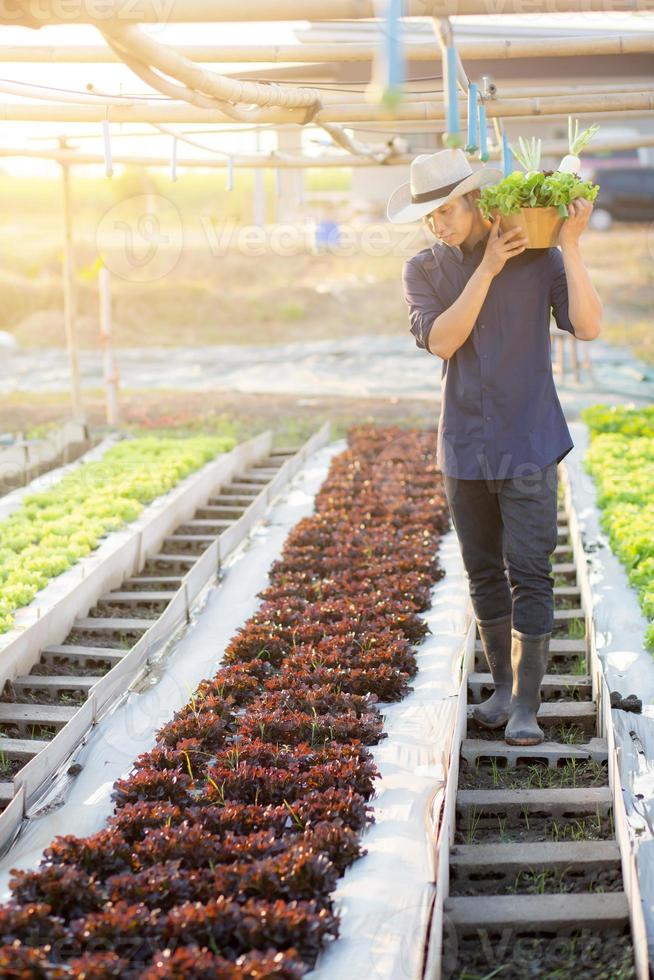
501	246
579	211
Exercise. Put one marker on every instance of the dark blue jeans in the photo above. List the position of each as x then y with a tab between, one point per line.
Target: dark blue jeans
507	531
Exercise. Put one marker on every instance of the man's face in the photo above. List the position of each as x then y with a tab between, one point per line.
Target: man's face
452	221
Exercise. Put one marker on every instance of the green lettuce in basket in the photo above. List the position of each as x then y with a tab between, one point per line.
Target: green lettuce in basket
543	189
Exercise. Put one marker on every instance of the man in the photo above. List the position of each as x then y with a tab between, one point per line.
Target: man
480	300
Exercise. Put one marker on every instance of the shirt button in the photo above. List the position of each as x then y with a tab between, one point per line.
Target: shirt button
488	418
483	326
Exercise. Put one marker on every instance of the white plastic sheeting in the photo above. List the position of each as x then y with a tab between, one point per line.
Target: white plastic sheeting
384	899
80	805
628	667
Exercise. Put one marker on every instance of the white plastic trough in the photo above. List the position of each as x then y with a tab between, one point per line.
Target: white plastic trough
618	661
442	818
50	617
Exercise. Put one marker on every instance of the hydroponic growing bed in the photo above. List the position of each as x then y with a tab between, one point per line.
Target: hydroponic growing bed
229	836
620	459
53	528
87	636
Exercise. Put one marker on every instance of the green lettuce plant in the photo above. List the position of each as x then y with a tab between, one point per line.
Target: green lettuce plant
621	460
53	529
534	190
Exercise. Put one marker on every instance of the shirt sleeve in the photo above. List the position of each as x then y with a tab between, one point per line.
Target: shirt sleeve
559	292
422	300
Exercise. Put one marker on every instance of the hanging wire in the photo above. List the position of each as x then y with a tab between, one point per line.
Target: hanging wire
186	139
86	93
335	86
144	97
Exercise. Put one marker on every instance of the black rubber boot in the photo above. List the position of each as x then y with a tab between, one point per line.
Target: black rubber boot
495	635
529	656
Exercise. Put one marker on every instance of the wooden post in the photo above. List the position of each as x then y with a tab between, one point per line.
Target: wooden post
70	306
289	190
258	192
110	373
259	199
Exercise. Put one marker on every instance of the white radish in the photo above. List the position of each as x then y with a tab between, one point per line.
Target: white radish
571	163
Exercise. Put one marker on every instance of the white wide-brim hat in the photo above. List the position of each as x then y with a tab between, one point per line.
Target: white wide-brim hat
435	178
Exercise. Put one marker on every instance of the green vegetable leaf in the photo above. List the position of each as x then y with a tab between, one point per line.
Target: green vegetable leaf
518	190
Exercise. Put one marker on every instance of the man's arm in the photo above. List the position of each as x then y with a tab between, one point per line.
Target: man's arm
423	300
452	328
585	308
437	329
584	305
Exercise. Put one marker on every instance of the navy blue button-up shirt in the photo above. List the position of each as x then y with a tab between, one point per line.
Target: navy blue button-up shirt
500	417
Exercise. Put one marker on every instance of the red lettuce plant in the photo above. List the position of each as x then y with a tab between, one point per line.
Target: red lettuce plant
229	835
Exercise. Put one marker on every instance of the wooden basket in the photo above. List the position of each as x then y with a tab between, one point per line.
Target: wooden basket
540	225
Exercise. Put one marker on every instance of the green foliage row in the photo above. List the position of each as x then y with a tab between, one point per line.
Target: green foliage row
53	529
621	460
620	418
